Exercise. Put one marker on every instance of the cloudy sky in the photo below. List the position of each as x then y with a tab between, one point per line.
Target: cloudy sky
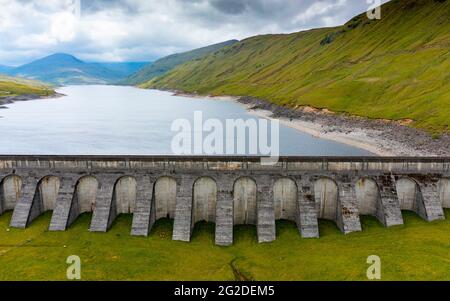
143	30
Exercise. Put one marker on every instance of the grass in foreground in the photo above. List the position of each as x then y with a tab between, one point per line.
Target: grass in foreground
416	251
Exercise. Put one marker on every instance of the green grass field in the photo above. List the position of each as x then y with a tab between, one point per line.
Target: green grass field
416	251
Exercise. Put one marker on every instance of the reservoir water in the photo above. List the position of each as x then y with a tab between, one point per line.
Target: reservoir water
113	120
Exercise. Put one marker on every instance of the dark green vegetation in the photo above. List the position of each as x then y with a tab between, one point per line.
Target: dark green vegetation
63	69
11	87
162	66
416	251
394	68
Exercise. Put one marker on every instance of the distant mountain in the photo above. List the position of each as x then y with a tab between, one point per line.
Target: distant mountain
162	66
393	68
124	69
63	69
5	69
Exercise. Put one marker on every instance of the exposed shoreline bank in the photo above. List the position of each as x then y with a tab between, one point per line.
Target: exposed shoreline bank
26	97
380	137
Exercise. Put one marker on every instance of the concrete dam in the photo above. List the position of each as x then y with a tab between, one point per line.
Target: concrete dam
226	191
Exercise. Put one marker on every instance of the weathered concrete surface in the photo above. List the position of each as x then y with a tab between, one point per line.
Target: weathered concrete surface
307	220
245	192
326	195
444	192
165	197
285	198
125	195
144	213
368	196
10	192
225	191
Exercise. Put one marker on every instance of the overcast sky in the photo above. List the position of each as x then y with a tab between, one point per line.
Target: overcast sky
143	30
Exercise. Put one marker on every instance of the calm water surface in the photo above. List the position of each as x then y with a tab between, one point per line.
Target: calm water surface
111	120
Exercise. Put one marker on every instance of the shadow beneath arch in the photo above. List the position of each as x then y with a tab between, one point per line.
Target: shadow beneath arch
245	234
370	222
411	214
411	217
447	213
162	229
328	228
83	221
204	231
283	227
125	219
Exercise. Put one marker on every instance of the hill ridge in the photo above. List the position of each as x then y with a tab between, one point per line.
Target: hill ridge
394	68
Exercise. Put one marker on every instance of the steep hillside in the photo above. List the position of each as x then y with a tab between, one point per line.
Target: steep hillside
395	68
11	88
167	63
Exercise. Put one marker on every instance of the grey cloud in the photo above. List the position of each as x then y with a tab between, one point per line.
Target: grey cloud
233	7
137	30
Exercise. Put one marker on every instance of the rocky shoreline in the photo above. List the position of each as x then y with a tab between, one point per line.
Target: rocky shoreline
26	97
381	137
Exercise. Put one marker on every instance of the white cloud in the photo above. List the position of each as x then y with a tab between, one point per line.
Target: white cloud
118	30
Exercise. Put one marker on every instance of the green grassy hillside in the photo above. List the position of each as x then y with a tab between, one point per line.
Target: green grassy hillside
10	87
395	68
416	251
162	66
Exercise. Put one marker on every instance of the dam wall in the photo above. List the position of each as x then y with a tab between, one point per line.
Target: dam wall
227	191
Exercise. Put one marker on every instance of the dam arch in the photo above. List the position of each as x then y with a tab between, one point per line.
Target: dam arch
10	191
165	196
407	190
444	192
244	201
48	190
368	196
326	197
285	196
204	200
125	192
86	193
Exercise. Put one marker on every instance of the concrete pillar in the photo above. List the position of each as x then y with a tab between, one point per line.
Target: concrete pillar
308	224
66	207
224	212
29	205
183	224
105	210
429	207
266	227
144	213
388	211
348	214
